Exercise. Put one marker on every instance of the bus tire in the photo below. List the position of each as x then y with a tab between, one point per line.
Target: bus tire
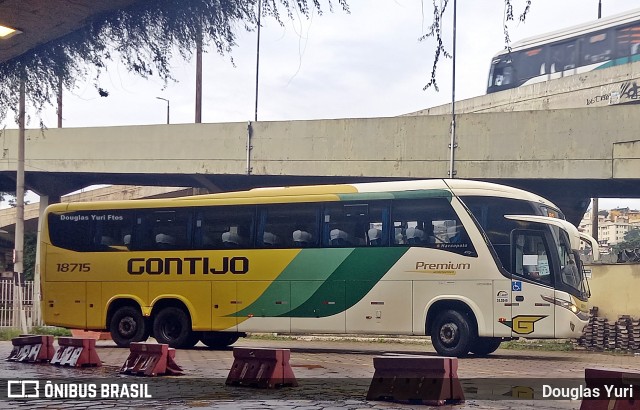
483	346
452	334
128	325
218	340
172	326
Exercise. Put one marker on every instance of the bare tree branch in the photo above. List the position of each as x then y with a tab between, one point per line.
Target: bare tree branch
435	31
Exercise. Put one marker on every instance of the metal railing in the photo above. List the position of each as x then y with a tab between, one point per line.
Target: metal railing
10	304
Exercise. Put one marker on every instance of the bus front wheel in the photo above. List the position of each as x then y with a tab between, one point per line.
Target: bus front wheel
172	326
452	334
128	325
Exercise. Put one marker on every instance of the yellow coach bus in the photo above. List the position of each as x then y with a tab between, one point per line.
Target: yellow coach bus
468	263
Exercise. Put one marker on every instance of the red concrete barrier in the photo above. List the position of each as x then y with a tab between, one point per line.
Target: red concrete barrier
617	389
31	348
416	379
151	359
261	367
76	352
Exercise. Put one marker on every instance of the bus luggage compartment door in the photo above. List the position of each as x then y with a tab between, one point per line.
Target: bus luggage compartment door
65	304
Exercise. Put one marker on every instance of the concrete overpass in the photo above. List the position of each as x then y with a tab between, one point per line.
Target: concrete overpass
566	155
618	85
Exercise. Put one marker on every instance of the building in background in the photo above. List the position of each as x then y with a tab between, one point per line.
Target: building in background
613	225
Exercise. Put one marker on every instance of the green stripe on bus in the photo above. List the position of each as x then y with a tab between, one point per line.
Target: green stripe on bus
619	61
349	283
305	273
415	194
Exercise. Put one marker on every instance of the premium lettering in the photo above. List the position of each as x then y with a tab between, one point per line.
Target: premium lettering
191	266
442	266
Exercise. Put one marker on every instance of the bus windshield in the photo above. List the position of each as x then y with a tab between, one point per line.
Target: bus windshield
571	273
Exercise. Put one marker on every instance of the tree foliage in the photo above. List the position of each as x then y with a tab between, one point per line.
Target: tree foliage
631	241
29	261
435	31
143	37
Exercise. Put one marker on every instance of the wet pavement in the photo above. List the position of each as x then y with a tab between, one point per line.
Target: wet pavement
331	374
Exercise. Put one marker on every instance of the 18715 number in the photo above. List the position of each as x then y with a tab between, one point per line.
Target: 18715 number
74	267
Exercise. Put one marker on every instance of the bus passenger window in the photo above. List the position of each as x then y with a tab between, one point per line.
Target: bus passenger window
111	229
596	48
288	225
355	224
430	223
223	227
164	229
91	231
627	43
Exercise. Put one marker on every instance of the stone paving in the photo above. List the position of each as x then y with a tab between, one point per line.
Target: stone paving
331	375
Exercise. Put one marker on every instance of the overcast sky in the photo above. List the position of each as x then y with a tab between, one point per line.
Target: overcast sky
368	63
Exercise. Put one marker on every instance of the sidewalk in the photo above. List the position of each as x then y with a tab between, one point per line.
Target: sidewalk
331	375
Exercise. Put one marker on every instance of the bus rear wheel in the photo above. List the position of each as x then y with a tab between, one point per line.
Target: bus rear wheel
128	325
172	326
452	334
218	340
483	346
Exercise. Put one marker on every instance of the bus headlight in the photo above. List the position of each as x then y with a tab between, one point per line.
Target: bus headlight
567	305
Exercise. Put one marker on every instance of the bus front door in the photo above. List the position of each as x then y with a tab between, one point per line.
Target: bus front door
532	315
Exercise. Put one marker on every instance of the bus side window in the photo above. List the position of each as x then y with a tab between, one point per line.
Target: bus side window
430	223
563	56
596	48
628	43
356	224
91	231
111	228
221	227
288	226
164	229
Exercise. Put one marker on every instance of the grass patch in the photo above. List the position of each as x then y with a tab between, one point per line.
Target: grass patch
341	338
10	333
51	330
561	345
540	345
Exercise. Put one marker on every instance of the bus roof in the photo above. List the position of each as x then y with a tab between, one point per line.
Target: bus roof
566	33
322	193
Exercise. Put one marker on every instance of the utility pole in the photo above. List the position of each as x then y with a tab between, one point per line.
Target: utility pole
255	118
453	144
198	77
60	102
18	256
599	9
167	101
594	206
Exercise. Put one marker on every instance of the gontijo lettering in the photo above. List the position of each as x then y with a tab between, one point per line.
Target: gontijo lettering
191	266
